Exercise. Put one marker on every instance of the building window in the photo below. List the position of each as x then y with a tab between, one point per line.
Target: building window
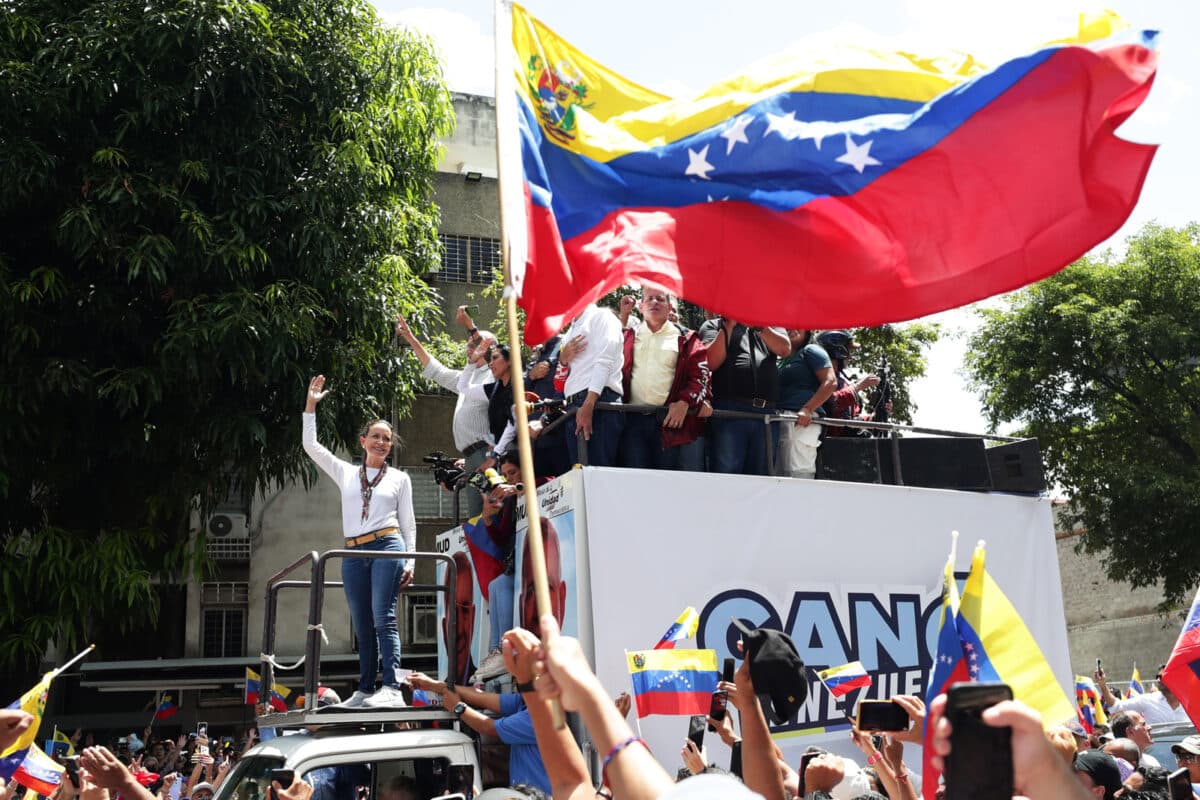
223	608
430	500
469	259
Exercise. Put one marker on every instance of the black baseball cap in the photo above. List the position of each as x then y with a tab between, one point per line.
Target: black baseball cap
1102	769
776	670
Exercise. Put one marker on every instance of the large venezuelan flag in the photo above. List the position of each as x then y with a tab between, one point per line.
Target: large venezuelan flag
998	647
32	702
815	192
1182	672
673	682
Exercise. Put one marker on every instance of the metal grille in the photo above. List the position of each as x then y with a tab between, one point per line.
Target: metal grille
229	549
224	632
469	259
430	501
231	593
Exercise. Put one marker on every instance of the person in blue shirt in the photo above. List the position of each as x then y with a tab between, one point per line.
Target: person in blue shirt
514	727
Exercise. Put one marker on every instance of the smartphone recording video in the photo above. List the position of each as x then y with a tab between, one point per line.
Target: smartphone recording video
881	715
979	766
696	730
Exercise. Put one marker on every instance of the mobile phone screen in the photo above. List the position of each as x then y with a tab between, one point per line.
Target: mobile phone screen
881	715
979	766
696	730
804	759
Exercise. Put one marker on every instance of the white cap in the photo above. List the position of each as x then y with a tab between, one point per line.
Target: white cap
701	787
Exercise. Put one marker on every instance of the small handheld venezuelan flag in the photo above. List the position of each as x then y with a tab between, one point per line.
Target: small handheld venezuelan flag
841	681
673	682
683	628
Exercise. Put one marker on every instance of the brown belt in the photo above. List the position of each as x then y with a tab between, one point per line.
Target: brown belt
367	538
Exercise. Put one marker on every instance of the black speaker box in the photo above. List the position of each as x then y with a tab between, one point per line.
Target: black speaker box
1017	467
927	462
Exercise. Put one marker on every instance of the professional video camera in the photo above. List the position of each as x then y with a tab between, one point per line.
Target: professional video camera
446	471
550	409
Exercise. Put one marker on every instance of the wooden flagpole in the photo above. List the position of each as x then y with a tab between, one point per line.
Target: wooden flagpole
513	252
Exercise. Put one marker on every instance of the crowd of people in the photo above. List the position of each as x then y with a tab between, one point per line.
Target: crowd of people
672	378
1059	762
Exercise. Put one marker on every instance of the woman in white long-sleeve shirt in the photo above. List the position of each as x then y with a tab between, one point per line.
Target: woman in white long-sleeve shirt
377	514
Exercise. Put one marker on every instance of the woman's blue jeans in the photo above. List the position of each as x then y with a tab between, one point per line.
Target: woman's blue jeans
500	602
371	586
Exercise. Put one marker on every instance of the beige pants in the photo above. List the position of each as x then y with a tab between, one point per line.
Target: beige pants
798	450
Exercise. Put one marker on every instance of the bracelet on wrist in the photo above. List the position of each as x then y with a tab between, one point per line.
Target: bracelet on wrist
875	758
902	777
616	750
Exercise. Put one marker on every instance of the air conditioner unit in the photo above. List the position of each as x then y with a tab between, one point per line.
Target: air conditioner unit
423	625
228	526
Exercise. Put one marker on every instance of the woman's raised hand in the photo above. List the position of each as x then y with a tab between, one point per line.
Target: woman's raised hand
316	393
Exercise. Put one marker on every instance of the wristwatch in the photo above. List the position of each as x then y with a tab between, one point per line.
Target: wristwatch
460	709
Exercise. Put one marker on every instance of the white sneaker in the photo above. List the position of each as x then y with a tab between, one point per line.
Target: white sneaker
386	697
492	667
356	700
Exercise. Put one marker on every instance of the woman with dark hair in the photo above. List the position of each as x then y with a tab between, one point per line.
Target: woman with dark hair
377	514
499	398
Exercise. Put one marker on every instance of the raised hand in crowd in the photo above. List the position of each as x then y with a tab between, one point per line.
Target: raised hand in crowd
725	726
13	722
760	769
891	771
628	302
299	790
624	703
1039	773
168	781
915	708
316	393
463	318
562	673
103	770
694	758
222	771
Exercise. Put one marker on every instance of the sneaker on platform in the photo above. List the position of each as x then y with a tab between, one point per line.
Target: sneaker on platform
492	667
386	697
356	700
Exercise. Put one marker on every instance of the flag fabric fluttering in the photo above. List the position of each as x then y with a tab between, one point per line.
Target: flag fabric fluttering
682	628
998	646
166	709
672	682
842	680
253	687
1090	702
1135	684
39	772
279	696
949	667
1182	672
805	167
32	702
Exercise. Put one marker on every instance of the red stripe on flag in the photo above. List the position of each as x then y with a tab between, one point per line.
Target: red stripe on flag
673	703
1018	191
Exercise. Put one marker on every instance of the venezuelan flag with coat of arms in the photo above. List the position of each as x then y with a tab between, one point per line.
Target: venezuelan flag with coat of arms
815	190
672	682
32	702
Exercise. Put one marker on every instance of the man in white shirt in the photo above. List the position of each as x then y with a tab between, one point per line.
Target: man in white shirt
472	435
593	351
1157	707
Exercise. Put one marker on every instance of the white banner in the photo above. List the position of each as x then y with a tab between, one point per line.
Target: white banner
850	571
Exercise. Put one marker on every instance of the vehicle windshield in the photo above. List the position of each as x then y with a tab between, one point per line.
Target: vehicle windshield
249	779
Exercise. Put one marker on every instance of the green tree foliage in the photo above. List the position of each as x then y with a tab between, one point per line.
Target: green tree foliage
204	203
899	352
1102	364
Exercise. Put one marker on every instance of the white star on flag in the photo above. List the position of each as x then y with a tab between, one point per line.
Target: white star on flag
788	127
736	133
698	164
858	155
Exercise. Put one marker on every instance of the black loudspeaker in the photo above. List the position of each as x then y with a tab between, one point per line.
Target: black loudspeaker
851	459
944	463
1017	467
927	462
